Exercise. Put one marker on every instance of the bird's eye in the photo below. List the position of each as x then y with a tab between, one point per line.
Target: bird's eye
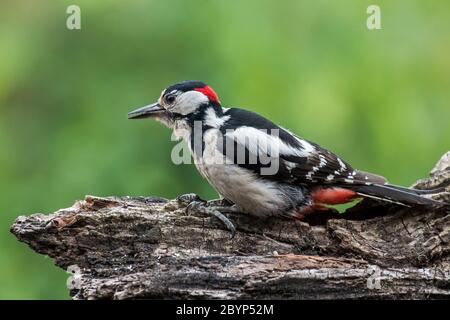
170	99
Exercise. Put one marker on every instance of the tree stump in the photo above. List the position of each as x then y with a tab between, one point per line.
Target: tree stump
150	247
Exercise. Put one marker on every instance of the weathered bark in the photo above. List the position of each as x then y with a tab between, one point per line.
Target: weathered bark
152	248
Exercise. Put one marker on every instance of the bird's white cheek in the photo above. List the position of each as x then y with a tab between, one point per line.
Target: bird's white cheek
188	102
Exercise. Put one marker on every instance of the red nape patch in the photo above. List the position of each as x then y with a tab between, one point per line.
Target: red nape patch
334	196
210	93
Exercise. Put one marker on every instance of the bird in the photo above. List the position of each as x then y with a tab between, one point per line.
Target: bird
260	168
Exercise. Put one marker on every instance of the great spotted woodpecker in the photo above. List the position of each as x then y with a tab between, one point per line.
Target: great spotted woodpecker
235	150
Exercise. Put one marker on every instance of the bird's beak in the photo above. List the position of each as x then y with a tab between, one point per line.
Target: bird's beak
146	112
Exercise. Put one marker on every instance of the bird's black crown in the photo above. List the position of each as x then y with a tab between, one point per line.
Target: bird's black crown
187	85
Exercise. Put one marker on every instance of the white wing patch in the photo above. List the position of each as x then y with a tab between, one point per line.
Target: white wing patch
308	148
262	142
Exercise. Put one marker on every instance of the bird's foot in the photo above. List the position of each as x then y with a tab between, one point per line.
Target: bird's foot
201	207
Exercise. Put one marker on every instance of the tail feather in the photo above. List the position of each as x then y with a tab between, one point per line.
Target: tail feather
374	186
394	194
418	191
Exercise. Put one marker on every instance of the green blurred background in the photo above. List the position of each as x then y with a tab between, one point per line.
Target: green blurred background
380	99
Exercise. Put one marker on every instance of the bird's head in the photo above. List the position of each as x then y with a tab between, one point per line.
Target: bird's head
179	102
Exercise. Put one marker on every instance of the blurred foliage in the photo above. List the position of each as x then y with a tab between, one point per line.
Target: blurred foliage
380	99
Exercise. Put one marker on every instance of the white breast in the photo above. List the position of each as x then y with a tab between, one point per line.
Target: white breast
243	187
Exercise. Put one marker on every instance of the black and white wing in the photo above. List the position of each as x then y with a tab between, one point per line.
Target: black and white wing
298	160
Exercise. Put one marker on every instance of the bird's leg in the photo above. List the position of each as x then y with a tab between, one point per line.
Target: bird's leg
212	211
222	202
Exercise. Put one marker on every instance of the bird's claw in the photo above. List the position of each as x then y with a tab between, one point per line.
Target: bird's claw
199	206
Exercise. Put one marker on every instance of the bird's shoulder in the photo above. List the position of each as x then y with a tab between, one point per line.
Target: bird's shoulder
240	118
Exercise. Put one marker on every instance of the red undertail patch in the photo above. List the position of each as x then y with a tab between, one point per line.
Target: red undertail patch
334	196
